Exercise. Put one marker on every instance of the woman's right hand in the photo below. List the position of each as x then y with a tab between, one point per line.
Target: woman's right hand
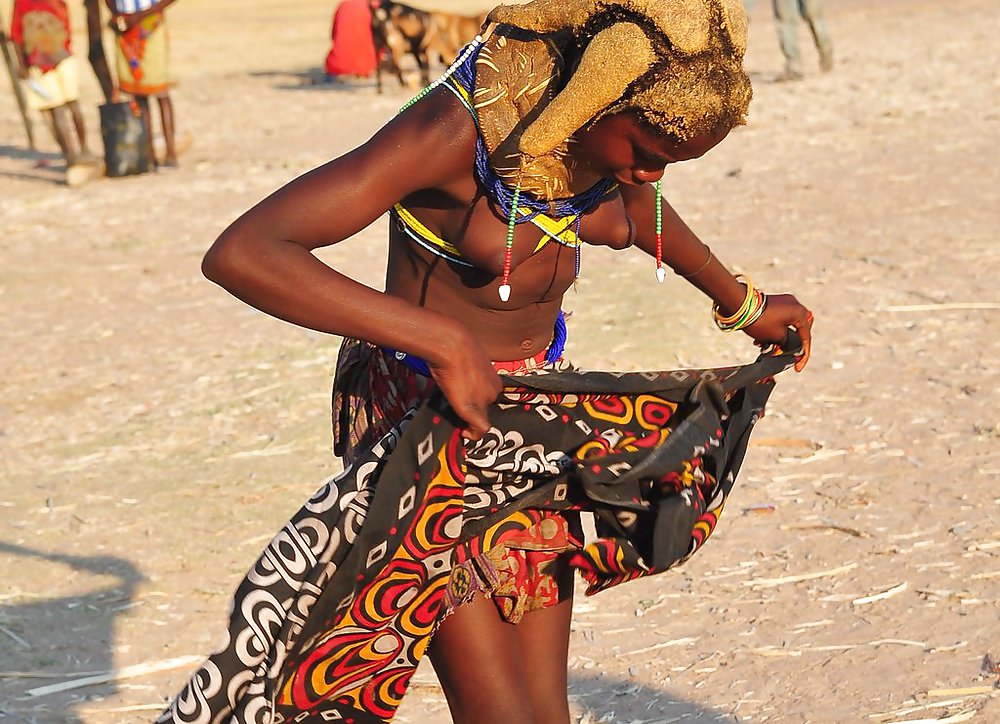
467	378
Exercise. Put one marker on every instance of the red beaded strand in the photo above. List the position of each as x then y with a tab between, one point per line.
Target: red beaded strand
504	290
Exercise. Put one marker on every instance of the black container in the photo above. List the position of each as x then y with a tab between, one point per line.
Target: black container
126	139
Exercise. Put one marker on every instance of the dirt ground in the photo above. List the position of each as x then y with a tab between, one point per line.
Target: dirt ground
154	432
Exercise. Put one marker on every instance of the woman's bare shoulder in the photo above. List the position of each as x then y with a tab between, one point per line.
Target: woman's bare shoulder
431	144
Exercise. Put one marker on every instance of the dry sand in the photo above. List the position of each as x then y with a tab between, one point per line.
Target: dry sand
154	432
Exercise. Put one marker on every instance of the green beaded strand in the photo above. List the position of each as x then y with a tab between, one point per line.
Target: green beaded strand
504	290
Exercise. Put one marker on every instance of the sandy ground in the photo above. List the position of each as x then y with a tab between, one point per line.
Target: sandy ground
154	432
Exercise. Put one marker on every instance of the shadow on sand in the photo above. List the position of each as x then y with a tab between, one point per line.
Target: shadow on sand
60	639
48	167
316	79
613	700
594	699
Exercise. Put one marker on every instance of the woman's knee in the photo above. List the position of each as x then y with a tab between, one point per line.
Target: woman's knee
478	661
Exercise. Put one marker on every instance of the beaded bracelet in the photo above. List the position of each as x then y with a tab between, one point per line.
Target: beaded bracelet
749	311
742	309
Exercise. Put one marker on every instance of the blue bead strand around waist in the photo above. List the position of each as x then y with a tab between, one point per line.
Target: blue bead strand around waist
553	354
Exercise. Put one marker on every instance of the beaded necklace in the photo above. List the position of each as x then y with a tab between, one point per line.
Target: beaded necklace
506	200
558	344
661	273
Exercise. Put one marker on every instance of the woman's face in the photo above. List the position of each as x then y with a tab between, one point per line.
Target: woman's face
621	147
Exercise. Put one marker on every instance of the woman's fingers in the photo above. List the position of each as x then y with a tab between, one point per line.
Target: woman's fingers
804	328
477	423
470	392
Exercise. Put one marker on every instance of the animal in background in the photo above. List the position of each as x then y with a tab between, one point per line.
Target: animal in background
398	29
456	31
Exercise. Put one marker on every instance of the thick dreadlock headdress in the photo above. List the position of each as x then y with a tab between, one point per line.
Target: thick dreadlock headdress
678	64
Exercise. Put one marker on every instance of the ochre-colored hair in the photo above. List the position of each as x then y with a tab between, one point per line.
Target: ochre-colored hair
678	64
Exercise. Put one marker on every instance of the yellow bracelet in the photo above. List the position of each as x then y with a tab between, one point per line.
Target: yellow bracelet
725	322
749	312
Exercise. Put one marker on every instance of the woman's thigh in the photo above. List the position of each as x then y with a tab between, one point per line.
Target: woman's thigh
495	671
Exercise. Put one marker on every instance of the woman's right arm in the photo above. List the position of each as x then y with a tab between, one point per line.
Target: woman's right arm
265	257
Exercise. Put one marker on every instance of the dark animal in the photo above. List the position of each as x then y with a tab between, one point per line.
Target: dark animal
398	29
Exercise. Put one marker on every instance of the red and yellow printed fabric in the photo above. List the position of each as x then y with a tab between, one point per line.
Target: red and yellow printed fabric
332	620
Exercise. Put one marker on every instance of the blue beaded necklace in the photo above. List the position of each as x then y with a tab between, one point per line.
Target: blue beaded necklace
510	201
504	198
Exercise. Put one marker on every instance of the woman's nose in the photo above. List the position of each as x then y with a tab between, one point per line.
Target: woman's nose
647	175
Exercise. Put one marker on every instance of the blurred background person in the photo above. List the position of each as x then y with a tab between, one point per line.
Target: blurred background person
786	17
142	52
95	50
51	76
353	50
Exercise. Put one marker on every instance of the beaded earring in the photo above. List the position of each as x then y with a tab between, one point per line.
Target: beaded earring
661	273
504	290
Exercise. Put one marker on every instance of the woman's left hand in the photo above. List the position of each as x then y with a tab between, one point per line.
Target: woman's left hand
784	311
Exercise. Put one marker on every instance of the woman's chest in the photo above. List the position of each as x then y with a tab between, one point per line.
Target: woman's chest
545	244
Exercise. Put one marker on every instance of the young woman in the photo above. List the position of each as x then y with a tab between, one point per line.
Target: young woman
459	517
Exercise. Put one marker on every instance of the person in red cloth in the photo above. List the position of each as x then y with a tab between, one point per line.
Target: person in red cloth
40	30
353	51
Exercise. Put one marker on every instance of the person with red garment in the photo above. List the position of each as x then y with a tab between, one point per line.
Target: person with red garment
353	51
50	73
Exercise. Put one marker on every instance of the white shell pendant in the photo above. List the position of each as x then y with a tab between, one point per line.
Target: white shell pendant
504	292
661	274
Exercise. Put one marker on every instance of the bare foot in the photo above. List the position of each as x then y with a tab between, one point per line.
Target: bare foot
80	173
85	157
788	76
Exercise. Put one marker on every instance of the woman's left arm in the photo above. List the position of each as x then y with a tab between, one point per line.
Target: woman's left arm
688	257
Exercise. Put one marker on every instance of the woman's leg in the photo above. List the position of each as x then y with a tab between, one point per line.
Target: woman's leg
544	640
497	672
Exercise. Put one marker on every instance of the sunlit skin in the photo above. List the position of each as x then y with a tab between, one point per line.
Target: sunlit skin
452	317
625	149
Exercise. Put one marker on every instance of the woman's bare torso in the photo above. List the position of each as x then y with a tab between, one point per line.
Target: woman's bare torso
462	215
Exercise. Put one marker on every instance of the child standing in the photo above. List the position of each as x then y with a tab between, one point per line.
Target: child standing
142	62
40	30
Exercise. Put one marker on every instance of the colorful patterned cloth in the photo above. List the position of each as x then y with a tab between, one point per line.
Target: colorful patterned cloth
332	620
142	53
522	569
